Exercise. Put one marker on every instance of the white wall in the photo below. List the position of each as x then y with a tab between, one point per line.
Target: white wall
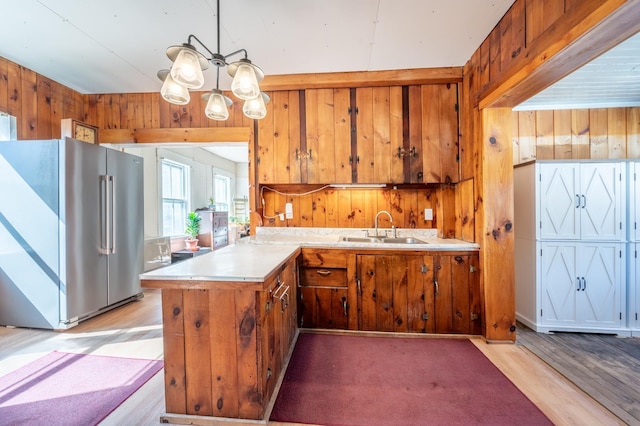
204	165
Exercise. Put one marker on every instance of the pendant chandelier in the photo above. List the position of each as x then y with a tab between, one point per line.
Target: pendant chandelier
186	74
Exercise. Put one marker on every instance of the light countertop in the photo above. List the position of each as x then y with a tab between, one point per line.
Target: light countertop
254	259
237	262
332	238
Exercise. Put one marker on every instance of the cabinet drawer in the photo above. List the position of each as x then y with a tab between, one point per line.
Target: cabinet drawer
324	258
323	277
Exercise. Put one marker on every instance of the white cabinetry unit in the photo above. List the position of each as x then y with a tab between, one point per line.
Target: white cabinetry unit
581	201
634	289
633	271
570	235
581	285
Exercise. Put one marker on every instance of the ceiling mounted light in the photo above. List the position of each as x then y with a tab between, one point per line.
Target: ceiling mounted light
256	108
172	91
186	73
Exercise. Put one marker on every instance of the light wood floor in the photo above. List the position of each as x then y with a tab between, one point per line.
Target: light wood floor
135	330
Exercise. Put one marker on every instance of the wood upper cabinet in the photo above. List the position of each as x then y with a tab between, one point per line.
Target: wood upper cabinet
326	153
278	140
379	134
391	134
433	149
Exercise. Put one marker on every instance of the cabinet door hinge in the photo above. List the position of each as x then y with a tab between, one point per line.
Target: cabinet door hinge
540	252
540	312
457	158
620	315
472	268
620	254
457	107
424	269
425	316
621	225
474	316
258	160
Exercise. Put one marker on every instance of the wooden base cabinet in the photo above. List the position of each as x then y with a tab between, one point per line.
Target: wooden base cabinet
436	293
225	348
325	300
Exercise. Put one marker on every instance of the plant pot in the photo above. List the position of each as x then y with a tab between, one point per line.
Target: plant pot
191	244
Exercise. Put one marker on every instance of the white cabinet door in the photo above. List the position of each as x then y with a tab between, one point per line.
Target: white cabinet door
559	283
634	288
581	201
634	202
559	201
601	201
581	285
600	293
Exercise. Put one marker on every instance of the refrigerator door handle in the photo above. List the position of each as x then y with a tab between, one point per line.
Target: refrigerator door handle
104	215
112	248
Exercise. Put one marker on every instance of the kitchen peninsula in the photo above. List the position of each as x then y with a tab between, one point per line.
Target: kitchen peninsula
230	317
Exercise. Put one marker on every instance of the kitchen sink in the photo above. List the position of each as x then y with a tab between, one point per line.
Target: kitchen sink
363	239
403	240
385	240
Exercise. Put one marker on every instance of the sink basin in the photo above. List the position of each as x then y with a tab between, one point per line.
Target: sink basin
385	240
363	239
403	240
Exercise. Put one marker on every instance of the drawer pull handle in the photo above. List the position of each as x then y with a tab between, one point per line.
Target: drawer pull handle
323	272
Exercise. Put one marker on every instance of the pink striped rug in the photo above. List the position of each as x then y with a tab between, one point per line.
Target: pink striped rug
70	389
358	380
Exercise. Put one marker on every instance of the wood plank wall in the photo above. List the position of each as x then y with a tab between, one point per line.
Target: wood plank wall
534	43
603	133
356	208
150	111
38	103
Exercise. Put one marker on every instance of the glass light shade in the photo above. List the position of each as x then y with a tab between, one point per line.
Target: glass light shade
255	108
186	69
216	108
173	92
245	84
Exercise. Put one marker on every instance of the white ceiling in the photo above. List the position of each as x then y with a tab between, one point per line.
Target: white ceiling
117	46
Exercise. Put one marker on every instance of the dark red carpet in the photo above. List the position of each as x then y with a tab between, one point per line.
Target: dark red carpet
358	380
70	389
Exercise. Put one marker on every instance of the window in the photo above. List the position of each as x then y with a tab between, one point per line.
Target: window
222	191
175	187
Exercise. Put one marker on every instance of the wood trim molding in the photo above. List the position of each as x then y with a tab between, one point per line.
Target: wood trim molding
337	80
194	135
570	43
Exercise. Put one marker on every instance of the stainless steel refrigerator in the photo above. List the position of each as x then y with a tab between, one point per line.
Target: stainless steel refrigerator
71	231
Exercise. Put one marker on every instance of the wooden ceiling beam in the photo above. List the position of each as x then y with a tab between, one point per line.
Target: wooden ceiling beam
362	79
186	135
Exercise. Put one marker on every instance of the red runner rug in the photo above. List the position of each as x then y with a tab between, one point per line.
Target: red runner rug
70	389
358	380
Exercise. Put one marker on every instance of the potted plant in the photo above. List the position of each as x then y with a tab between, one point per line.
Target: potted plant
212	203
192	231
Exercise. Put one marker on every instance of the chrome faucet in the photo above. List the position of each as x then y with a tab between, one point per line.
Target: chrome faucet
390	220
